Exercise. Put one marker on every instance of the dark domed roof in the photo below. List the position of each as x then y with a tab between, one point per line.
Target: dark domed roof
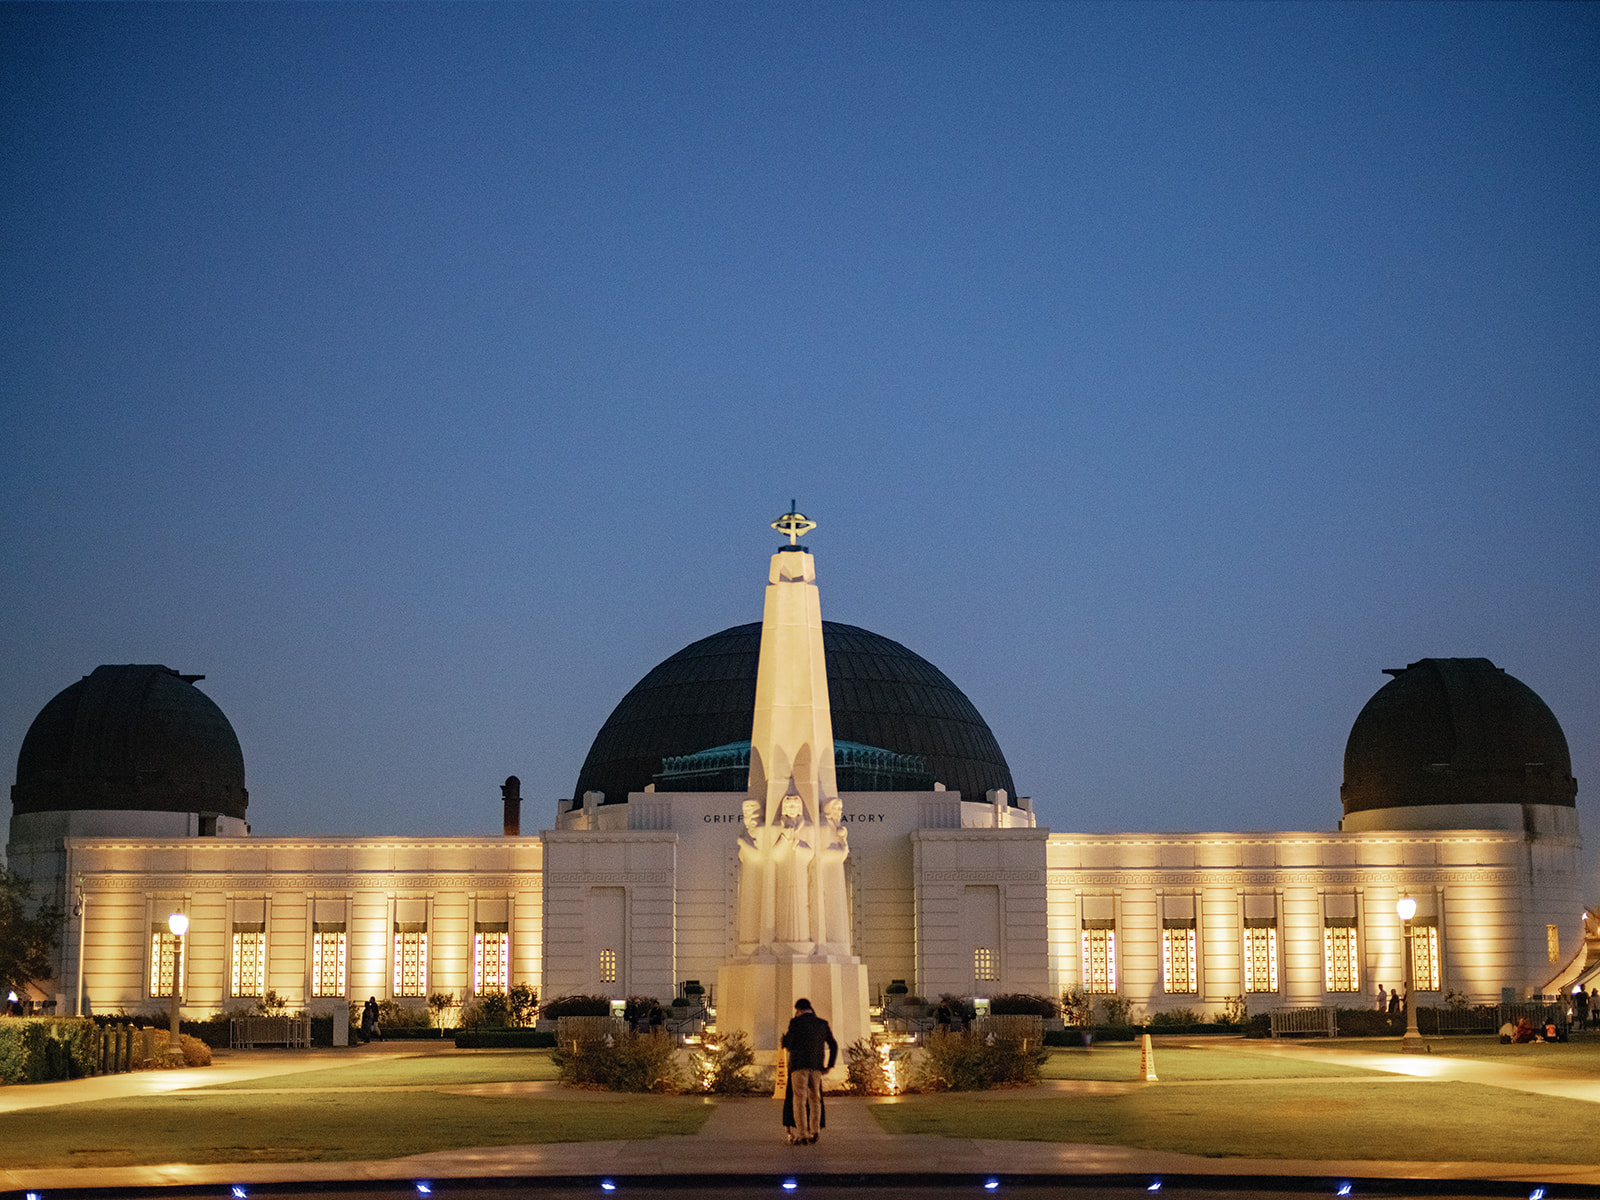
1456	731
132	738
882	696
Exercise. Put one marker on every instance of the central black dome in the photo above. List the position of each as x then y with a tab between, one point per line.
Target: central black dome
882	695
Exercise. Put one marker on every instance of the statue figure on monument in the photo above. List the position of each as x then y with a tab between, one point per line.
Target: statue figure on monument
757	920
792	852
832	915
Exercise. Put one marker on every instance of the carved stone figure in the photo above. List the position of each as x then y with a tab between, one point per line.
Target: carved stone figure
832	915
756	926
792	852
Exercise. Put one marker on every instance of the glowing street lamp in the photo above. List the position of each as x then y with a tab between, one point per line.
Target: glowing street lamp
179	924
1411	1041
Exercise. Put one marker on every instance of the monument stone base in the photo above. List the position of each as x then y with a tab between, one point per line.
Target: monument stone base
757	995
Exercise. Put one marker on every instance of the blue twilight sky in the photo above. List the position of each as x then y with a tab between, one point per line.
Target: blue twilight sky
422	375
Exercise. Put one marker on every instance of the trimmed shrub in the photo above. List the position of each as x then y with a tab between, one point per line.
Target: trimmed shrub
864	1074
634	1062
970	1062
576	1006
1180	1018
1023	1004
504	1039
723	1065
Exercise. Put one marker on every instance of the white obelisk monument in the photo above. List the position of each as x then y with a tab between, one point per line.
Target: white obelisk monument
793	916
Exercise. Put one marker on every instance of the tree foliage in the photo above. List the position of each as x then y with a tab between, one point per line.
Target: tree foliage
27	939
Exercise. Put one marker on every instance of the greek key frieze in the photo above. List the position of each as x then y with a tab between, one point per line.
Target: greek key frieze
376	880
569	877
1332	877
982	876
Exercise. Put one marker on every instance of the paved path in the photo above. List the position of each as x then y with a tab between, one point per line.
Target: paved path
743	1137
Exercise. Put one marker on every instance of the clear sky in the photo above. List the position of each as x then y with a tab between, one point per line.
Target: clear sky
423	375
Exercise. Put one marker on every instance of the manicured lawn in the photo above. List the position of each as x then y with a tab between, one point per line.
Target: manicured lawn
1177	1064
218	1125
433	1070
1580	1056
1292	1119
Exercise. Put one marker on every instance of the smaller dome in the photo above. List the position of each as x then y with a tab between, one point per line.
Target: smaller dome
135	738
1453	731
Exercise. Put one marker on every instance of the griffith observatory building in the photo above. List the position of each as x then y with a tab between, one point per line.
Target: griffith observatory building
703	835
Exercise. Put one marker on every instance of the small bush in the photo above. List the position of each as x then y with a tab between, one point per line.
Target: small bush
1235	1011
864	1074
634	1062
1177	1018
1023	1004
493	1010
723	1065
1118	1009
524	1001
970	1062
394	1015
271	1004
1077	1007
576	1006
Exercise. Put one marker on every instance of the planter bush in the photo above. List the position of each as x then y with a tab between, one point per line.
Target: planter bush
634	1062
969	1062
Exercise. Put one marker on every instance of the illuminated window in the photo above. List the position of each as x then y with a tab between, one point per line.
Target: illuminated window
163	945
1552	942
491	959
1179	963
1261	958
1340	966
410	959
249	976
608	966
984	969
328	960
1425	957
1100	960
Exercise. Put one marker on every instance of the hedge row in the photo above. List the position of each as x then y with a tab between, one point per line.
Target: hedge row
34	1049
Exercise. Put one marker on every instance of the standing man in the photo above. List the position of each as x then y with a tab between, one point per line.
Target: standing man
805	1039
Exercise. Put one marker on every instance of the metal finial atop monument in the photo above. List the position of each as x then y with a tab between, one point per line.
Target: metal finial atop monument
794	525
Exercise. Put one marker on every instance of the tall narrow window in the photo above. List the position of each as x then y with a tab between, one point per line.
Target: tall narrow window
1425	957
249	968
410	959
984	967
163	946
1552	943
1179	961
1340	965
608	966
1100	960
1261	957
491	958
329	959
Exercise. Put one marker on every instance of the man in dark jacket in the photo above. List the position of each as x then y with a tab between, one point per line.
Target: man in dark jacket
805	1039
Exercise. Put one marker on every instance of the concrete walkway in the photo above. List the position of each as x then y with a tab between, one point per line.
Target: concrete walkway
743	1137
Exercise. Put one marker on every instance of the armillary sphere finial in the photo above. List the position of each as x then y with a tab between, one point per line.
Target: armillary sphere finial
794	525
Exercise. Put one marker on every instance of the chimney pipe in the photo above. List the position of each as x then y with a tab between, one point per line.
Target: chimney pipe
511	792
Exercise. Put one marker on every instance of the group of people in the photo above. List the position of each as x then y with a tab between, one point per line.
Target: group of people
1394	1001
806	1040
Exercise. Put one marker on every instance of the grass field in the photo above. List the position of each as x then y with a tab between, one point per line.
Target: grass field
1230	1059
368	1110
1292	1119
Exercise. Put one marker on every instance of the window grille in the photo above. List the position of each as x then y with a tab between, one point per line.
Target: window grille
608	966
491	961
1425	957
1261	958
1100	961
410	962
249	974
1179	961
329	961
163	946
984	968
1340	963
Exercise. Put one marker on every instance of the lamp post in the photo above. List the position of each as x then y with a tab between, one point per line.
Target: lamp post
1411	1041
179	924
